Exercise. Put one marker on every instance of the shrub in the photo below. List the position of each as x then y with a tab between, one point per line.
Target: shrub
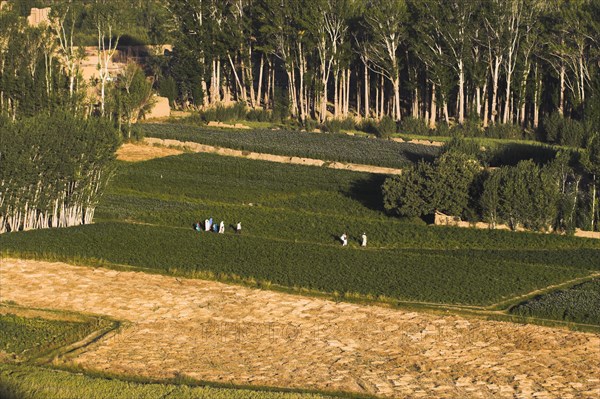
470	128
368	125
332	126
504	131
259	115
310	125
414	126
386	127
564	131
467	147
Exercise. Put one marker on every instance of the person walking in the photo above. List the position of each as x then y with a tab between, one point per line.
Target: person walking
222	227
344	239
206	225
238	228
363	240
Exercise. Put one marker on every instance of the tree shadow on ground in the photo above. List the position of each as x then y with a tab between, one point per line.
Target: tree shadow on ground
368	192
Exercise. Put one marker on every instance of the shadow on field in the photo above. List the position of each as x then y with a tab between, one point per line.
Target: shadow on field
415	153
511	154
368	192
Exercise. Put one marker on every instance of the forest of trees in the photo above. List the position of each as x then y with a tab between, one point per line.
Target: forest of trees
491	61
430	63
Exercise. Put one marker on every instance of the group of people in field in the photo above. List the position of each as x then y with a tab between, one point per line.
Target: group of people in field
210	225
344	240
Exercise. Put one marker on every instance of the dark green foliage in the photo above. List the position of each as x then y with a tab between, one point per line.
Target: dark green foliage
167	87
470	128
222	113
564	131
525	195
336	125
468	147
414	126
409	194
504	131
579	304
260	115
386	127
444	186
341	148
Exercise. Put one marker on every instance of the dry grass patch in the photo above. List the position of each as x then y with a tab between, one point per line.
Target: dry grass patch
137	152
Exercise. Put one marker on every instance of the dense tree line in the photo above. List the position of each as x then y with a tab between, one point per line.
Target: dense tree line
495	61
556	196
54	169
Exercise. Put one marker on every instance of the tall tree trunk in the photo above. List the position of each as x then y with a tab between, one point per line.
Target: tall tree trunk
433	114
445	109
382	99
302	62
495	79
336	94
461	92
397	111
561	102
260	81
537	95
347	98
593	202
366	72
507	100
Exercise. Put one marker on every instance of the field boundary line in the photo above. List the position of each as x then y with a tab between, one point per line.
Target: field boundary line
293	160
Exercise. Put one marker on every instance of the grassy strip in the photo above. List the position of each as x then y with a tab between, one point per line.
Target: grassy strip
397	274
579	303
28	382
330	147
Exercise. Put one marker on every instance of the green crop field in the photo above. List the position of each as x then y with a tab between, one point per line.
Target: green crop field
329	147
291	218
579	304
26	337
28	382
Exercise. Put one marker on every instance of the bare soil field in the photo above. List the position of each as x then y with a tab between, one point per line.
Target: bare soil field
138	152
226	333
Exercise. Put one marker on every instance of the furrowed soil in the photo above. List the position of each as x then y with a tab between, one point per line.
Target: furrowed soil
225	333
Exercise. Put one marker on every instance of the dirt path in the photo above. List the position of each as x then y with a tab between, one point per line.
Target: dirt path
196	147
217	332
131	152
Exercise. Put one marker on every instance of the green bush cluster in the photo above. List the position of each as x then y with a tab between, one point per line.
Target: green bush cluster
565	131
545	197
579	304
342	148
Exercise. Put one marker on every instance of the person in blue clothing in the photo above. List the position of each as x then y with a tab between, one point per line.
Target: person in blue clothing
215	228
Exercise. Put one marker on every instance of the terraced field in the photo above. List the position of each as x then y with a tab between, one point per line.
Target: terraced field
292	217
